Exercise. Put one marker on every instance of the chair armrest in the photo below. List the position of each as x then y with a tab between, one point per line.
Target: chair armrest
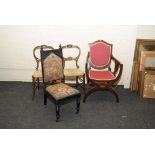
118	67
87	67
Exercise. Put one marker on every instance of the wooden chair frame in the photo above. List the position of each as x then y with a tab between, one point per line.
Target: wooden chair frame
143	70
80	79
58	103
99	85
36	79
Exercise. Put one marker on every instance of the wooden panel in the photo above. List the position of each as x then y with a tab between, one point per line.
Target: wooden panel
149	86
147	60
134	78
141	45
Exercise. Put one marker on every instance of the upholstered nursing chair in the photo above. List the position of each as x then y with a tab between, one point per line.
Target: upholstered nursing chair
74	72
53	78
99	73
37	74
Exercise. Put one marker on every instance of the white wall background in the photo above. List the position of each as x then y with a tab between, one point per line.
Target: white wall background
146	32
17	43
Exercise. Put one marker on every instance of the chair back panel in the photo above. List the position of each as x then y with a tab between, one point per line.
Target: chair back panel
52	65
36	51
76	51
100	54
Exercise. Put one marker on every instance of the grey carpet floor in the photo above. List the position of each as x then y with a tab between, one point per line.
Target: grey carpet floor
18	111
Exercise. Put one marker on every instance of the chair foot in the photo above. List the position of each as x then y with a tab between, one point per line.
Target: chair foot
57	120
117	100
57	113
78	108
77	111
77	105
45	99
84	99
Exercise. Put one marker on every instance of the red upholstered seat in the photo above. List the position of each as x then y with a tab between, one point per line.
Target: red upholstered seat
101	75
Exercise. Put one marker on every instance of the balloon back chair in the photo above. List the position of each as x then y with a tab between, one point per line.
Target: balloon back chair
53	80
37	74
74	72
99	72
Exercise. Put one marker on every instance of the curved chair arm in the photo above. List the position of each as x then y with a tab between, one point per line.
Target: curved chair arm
118	67
87	67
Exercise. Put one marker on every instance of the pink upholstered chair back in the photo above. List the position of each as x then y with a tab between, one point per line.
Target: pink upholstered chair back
100	54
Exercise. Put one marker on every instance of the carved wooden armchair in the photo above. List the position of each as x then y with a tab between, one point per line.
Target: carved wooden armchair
53	78
99	73
37	74
74	72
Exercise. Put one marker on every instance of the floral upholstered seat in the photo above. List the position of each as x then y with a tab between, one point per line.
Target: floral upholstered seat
61	91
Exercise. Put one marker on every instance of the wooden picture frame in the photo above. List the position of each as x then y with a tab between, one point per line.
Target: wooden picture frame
141	45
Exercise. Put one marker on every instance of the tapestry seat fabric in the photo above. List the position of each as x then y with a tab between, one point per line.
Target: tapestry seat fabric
61	91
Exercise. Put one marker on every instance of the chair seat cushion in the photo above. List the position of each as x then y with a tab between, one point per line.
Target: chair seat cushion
73	72
101	75
37	74
61	91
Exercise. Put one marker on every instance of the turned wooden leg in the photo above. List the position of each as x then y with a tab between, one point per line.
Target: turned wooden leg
33	87
57	112
84	83
77	105
77	81
45	99
38	83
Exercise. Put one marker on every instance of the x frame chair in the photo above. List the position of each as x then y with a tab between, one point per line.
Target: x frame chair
99	73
